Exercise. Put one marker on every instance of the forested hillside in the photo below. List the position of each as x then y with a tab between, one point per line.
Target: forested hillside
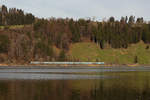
25	38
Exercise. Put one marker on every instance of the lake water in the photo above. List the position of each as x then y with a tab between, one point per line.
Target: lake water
75	83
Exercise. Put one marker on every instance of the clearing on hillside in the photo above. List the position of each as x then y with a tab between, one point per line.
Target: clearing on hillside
87	51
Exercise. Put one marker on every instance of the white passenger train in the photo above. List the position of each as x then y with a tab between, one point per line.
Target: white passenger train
68	63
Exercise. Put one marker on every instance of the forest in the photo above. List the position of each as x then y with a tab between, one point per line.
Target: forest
40	38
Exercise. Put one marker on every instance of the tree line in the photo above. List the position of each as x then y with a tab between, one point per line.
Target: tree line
118	34
15	16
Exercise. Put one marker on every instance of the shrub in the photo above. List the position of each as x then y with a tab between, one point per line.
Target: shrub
147	47
136	59
44	49
4	43
62	56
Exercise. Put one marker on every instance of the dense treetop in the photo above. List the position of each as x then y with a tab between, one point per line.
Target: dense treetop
15	16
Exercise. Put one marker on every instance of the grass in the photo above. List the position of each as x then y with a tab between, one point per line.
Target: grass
84	51
12	26
87	51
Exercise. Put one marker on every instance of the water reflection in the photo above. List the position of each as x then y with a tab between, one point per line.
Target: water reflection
130	86
44	76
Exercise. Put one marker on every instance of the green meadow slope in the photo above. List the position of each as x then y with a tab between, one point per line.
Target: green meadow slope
87	51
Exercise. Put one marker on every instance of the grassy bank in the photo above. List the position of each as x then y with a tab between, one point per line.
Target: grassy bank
12	26
87	51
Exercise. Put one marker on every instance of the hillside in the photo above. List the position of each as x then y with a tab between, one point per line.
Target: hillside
87	51
25	38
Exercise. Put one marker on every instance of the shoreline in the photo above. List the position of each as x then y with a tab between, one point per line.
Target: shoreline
73	65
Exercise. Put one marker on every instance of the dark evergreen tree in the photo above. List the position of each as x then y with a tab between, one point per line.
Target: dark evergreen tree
62	56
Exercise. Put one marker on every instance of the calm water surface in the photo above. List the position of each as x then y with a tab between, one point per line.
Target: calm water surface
75	83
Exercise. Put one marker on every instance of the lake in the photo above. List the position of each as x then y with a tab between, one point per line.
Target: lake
74	83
